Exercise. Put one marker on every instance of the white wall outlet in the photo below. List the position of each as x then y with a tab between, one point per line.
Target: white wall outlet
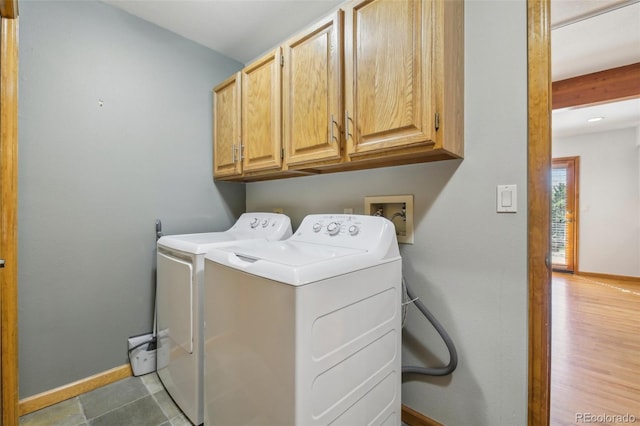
507	198
348	210
398	209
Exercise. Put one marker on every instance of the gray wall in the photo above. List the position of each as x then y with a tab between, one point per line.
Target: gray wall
468	263
93	179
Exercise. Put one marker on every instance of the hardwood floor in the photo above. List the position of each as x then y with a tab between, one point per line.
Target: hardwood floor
595	351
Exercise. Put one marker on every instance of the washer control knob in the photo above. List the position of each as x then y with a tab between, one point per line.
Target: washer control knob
254	222
265	223
353	230
333	228
317	227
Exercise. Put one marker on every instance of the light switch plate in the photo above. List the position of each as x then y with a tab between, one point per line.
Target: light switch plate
507	199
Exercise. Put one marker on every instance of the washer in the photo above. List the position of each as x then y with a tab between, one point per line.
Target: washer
180	317
306	331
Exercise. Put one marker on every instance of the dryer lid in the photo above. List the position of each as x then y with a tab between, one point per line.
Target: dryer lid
250	226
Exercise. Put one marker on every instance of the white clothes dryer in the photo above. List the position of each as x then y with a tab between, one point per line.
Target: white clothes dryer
179	315
306	331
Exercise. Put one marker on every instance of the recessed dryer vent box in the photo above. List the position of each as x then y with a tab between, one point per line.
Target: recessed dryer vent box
398	209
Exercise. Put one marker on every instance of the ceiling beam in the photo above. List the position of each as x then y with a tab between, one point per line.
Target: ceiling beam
603	86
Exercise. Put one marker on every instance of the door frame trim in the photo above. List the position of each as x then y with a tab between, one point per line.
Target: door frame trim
8	213
539	208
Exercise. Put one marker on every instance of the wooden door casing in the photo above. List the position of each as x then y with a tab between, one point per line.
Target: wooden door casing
8	213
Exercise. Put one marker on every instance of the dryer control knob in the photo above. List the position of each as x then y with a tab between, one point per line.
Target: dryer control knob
265	223
254	222
333	228
317	227
353	230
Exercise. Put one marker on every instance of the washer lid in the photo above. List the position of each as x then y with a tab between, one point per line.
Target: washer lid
290	253
292	262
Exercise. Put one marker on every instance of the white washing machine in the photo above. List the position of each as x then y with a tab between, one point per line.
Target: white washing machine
306	331
180	317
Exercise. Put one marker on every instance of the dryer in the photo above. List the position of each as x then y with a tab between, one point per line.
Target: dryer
180	275
306	331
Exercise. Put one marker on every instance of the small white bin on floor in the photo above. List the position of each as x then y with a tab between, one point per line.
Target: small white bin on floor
143	360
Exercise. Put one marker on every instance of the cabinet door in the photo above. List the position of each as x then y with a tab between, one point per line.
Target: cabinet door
261	114
226	128
312	107
387	76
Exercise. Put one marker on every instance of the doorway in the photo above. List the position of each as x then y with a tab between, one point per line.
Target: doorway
564	213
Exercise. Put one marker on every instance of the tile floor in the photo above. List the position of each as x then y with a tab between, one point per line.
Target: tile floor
134	401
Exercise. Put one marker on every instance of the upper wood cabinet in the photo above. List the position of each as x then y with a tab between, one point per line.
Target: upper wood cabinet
247	132
400	59
261	114
312	95
226	128
377	83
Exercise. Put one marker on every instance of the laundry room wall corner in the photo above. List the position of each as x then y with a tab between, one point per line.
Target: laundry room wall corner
115	132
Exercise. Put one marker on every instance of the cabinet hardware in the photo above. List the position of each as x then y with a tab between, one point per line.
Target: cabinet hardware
233	153
346	125
1	263
437	121
332	136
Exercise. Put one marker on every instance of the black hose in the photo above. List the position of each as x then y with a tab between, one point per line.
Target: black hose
151	342
453	354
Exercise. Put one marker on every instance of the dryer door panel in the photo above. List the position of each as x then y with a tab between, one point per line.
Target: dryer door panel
175	302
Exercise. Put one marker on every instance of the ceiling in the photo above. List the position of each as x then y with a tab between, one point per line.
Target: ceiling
239	29
587	36
590	36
